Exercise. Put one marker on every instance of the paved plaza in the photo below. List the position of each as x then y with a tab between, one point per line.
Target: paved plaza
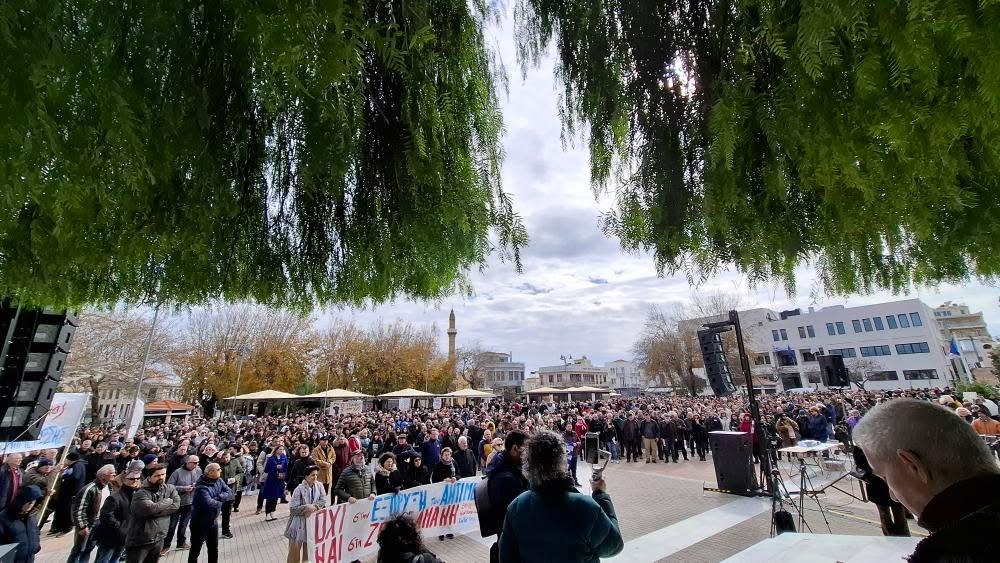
665	515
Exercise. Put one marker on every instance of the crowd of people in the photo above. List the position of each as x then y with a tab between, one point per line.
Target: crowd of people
169	486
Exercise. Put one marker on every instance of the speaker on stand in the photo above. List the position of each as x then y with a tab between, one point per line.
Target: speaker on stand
35	347
833	371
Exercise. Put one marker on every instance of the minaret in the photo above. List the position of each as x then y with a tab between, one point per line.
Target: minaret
451	337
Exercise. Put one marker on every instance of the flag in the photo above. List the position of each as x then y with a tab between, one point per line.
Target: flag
953	347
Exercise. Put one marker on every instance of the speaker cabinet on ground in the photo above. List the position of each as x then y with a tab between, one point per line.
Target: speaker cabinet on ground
734	468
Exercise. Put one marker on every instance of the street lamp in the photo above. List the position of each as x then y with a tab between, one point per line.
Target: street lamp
241	351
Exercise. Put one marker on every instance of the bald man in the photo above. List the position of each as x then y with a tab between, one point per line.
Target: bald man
210	494
941	470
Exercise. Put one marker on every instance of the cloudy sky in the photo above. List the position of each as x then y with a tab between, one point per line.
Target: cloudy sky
579	293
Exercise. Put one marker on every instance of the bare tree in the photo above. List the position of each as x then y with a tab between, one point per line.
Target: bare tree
470	364
108	351
860	370
667	354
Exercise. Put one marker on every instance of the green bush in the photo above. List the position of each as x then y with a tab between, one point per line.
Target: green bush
984	389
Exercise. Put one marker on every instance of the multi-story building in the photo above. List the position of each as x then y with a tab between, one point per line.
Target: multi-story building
501	374
115	401
625	378
966	336
892	345
573	373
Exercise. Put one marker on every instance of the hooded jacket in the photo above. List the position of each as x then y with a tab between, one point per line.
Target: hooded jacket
21	529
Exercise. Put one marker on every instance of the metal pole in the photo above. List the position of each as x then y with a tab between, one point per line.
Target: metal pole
239	373
765	458
145	356
325	398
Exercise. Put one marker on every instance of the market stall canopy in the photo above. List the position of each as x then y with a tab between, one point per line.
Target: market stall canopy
470	394
265	395
546	391
586	389
343	394
406	393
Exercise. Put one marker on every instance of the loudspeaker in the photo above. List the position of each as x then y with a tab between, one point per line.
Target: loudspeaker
716	366
731	453
833	371
36	344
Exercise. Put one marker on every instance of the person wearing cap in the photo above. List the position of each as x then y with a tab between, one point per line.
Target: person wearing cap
116	514
73	476
39	475
18	526
357	481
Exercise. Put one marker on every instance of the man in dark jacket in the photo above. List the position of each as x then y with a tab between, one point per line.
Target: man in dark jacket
18	526
209	496
667	436
504	482
404	456
632	438
232	475
10	479
951	482
73	479
357	481
115	517
465	460
151	507
650	432
679	427
85	513
577	527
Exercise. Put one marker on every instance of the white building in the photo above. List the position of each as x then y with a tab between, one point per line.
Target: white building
501	374
966	336
115	401
625	378
896	344
573	373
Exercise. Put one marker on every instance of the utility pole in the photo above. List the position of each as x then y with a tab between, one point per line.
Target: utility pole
241	351
145	356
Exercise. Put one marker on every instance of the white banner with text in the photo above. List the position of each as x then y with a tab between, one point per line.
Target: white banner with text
346	532
59	427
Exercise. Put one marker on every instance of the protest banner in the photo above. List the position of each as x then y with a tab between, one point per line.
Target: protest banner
59	427
405	404
436	403
135	418
346	532
345	407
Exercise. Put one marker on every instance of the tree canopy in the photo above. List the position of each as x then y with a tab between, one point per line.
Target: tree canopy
862	137
291	153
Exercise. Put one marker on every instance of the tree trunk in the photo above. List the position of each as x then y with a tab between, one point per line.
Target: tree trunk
95	399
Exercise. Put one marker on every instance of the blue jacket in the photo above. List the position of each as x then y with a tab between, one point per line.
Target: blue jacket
578	528
817	427
274	488
21	529
209	494
431	451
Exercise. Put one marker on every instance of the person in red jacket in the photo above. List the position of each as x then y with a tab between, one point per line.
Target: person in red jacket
746	425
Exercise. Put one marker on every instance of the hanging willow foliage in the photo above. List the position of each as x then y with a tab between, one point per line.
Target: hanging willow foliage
289	152
861	136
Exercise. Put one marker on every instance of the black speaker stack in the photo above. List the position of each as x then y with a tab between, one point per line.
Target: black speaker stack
833	371
734	468
35	346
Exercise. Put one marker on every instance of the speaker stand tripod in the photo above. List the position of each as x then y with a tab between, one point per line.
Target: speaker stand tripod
805	481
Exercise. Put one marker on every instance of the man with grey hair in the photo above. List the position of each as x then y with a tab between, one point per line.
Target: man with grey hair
86	509
939	469
184	480
577	527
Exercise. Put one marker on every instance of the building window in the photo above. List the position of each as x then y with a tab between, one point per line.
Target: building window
802	332
840	328
810	331
559	378
891	320
763	359
814	377
830	330
903	321
915	319
775	335
807	355
869	351
784	335
868	324
786	358
914	348
917	374
878	323
845	352
883	376
857	325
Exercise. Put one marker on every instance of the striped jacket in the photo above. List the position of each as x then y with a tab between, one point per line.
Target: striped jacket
86	505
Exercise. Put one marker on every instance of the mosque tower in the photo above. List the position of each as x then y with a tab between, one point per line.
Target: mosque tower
451	337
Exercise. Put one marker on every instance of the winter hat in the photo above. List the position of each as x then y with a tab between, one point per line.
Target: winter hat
44	462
